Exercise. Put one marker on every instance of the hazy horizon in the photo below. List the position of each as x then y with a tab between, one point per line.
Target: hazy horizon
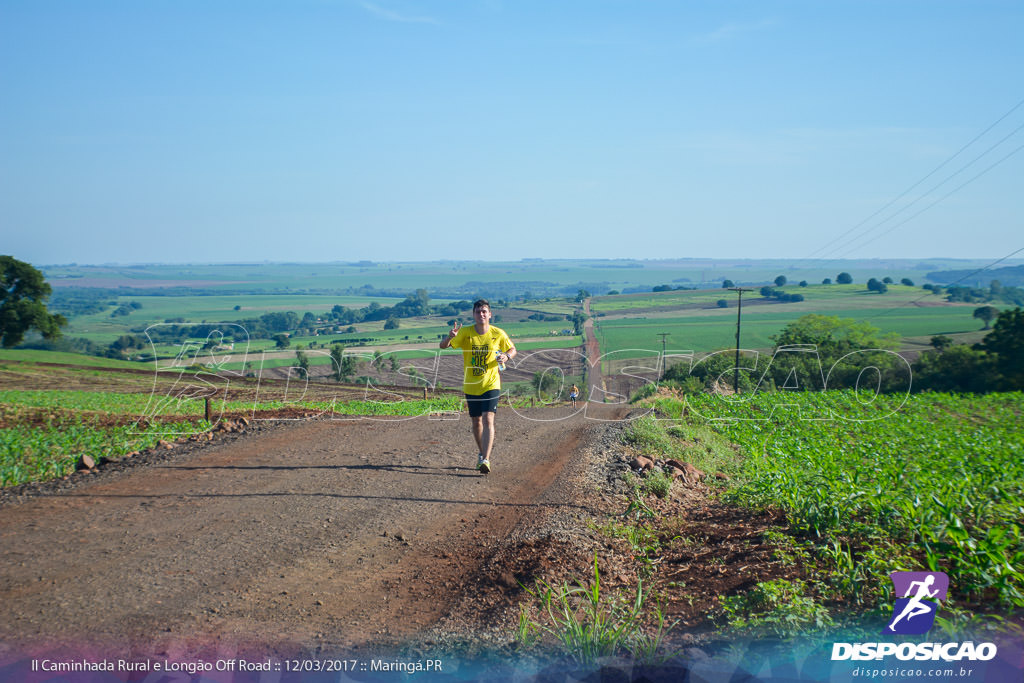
813	263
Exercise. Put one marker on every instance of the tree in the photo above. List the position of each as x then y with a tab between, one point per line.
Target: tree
876	286
844	278
280	322
958	368
281	341
726	284
578	318
832	338
546	382
343	366
1007	340
613	292
803	283
986	314
887	280
722	303
941	342
827	281
581	295
907	281
391	324
303	361
780	281
23	295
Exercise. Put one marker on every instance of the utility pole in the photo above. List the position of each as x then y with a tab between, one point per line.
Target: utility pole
663	368
739	309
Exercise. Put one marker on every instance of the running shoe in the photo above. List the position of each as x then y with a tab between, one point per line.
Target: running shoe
484	467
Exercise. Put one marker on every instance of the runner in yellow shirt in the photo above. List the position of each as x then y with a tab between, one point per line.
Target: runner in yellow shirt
484	347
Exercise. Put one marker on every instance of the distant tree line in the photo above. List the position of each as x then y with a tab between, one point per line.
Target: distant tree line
772	293
995	292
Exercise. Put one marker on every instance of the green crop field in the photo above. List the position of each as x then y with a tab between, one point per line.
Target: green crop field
711	329
34	356
930	481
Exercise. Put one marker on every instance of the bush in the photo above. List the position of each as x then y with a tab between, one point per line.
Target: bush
776	607
658	484
646	391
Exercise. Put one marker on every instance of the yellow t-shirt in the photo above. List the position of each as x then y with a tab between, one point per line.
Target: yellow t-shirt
480	367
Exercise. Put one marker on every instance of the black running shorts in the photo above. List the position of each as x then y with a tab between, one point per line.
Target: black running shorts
485	402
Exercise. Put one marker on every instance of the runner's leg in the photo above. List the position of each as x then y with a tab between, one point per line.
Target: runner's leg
478	431
486	440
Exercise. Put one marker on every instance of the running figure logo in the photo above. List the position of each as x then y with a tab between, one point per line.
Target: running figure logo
914	612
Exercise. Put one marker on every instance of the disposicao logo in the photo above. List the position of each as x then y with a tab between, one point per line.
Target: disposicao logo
913	613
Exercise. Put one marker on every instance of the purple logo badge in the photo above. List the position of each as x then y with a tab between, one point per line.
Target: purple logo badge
917	600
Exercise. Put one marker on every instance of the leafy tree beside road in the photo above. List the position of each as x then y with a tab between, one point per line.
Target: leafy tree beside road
23	298
1006	340
996	364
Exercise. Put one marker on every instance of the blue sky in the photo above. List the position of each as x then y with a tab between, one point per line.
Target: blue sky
313	130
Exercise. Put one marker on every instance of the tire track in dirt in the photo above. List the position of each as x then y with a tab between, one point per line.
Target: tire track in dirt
316	535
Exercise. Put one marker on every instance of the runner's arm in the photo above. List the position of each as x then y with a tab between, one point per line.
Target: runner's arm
447	341
509	354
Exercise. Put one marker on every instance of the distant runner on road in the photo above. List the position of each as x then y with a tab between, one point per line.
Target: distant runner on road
484	347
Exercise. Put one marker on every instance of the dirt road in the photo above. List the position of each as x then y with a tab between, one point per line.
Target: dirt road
303	537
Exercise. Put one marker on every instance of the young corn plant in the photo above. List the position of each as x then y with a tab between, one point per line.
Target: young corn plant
590	624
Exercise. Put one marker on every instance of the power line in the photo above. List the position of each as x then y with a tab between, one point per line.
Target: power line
919	182
948	178
943	198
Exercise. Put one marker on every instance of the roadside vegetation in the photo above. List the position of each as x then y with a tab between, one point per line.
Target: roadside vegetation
782	510
877	488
